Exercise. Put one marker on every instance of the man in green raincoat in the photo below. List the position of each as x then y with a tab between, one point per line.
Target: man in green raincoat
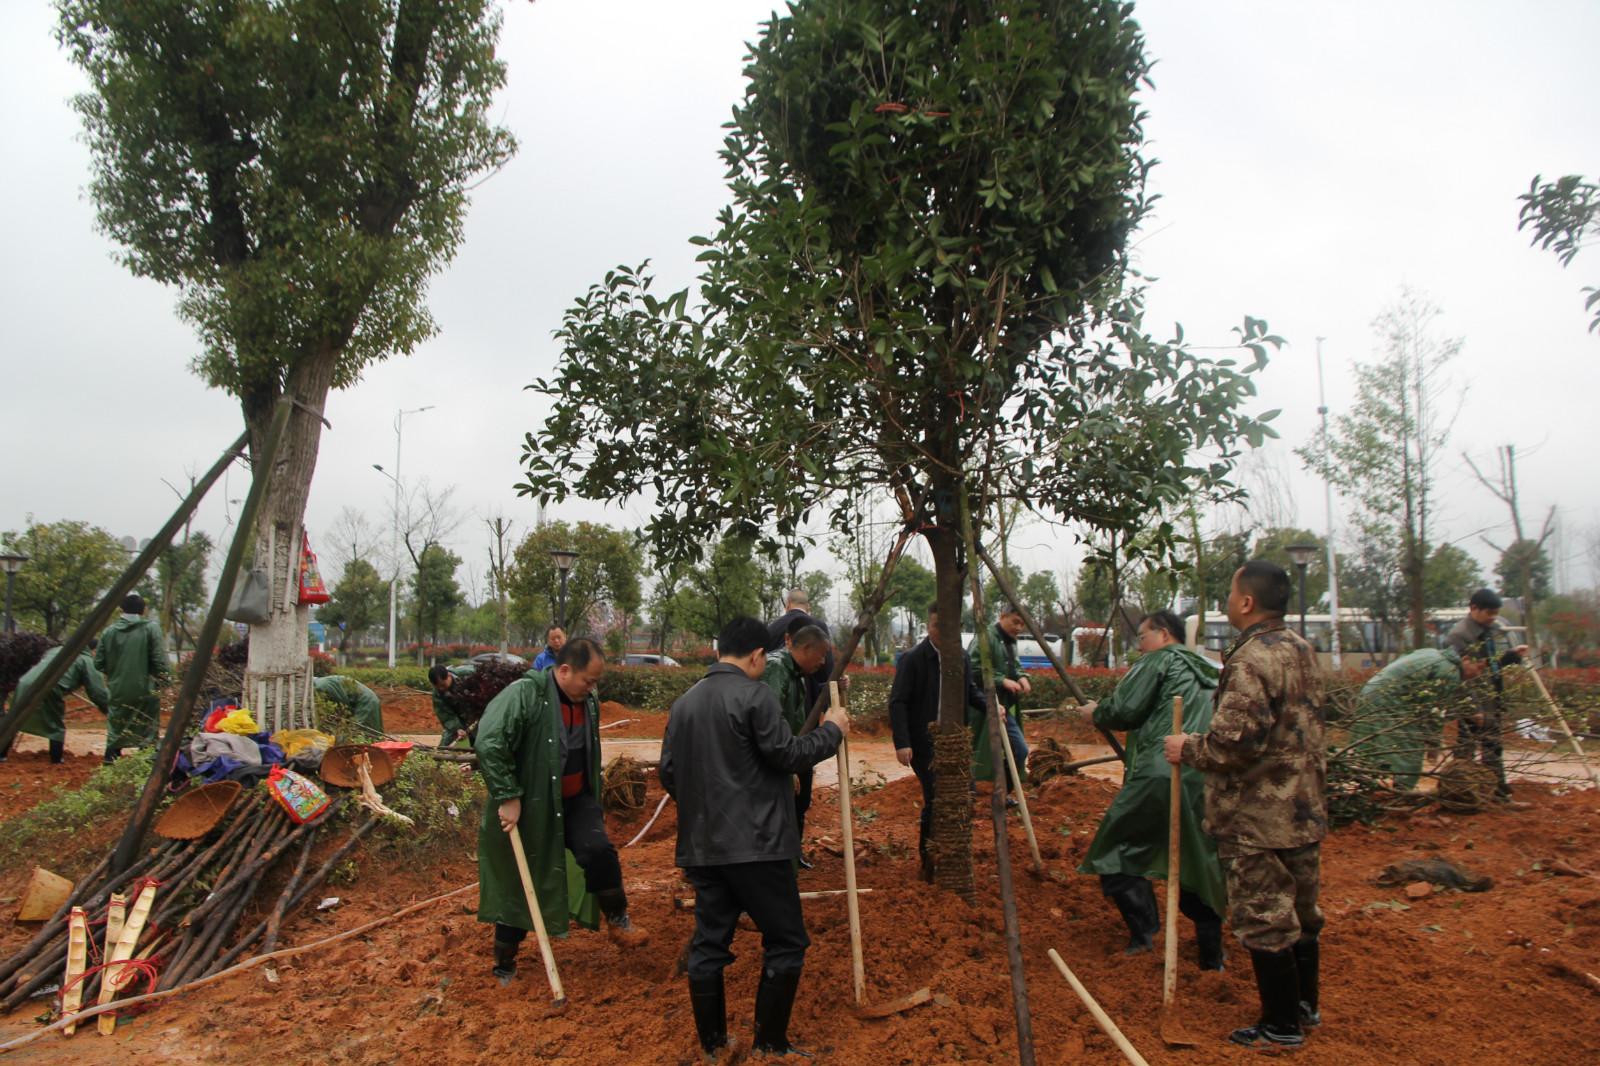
359	701
446	706
133	657
805	650
1401	711
1131	844
538	748
49	718
1010	685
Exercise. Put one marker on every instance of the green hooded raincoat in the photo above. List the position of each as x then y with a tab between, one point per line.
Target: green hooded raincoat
49	718
1003	660
1401	711
1132	838
359	700
133	657
520	754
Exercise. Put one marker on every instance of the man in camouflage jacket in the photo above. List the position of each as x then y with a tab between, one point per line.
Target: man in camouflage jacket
1266	765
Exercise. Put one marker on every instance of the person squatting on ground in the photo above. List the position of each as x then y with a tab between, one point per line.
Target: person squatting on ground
726	758
806	649
133	657
1266	769
1480	636
555	638
538	748
447	707
49	718
1397	716
1010	685
357	700
913	712
1130	846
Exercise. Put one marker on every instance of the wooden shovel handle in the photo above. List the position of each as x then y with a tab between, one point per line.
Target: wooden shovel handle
532	897
1169	978
1101	1018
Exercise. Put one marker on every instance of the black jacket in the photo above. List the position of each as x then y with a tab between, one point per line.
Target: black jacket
726	758
914	697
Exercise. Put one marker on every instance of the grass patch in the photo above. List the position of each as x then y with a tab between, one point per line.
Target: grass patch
110	791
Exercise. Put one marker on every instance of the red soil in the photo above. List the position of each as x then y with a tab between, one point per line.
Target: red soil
1497	976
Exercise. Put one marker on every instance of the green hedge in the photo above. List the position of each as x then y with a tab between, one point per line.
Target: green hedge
410	676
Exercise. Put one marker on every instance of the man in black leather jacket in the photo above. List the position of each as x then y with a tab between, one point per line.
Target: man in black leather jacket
726	759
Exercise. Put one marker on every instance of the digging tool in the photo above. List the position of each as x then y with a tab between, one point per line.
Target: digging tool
1101	1018
1172	1028
1561	719
857	968
528	893
1022	804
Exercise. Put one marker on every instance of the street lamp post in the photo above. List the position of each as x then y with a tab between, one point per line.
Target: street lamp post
394	539
1302	554
11	563
564	561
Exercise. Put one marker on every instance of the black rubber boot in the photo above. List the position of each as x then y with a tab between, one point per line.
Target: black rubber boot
614	905
58	751
710	1012
774	1002
1307	960
1278	984
1208	936
505	962
1137	902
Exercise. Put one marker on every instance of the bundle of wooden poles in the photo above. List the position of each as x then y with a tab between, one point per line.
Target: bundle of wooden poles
175	914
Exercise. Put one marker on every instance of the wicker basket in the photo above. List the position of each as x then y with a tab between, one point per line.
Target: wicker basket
339	765
197	812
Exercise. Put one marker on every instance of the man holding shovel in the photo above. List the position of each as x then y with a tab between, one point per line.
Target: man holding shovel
726	758
538	748
788	674
1010	685
1265	763
1131	845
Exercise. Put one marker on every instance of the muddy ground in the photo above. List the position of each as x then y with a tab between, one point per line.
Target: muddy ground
1497	976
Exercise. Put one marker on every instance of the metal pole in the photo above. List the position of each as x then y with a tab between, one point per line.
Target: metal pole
1302	568
561	609
1336	658
11	579
394	539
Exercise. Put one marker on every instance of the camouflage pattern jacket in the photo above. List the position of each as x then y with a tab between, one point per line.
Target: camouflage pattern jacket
1264	759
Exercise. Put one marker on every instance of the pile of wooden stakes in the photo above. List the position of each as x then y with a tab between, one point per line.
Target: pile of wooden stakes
173	915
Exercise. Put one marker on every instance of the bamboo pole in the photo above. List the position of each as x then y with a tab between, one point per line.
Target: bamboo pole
997	813
847	823
1022	805
111	602
193	678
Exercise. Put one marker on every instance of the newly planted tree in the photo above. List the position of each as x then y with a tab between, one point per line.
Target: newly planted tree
920	281
297	170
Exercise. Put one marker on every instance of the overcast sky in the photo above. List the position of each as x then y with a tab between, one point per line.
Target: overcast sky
1314	159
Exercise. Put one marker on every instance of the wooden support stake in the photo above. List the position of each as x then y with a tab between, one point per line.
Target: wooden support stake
1561	719
122	953
1022	801
1102	1019
857	967
77	962
116	917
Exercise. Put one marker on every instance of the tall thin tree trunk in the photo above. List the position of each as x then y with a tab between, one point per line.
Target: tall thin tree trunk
951	845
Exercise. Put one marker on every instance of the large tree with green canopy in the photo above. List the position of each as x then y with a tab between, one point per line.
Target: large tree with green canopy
297	170
921	281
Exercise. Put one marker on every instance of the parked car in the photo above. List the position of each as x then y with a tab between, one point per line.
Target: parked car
650	659
485	657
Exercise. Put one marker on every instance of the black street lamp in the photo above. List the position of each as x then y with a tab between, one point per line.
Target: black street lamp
564	560
1302	554
11	563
